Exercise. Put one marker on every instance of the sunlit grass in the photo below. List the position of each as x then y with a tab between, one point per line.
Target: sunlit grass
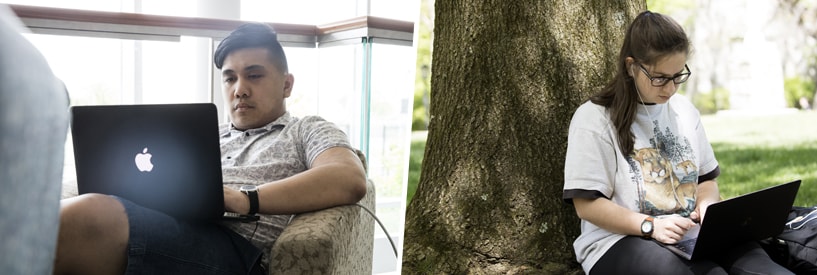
756	151
418	145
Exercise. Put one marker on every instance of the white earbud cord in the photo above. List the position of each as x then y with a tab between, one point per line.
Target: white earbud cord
649	117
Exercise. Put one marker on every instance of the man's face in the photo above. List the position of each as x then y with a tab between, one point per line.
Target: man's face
254	89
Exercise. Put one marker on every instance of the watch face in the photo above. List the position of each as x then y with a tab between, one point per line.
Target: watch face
646	227
248	188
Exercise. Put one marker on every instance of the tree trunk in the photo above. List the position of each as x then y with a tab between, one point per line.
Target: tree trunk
506	79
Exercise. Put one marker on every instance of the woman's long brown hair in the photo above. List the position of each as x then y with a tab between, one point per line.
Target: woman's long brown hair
650	37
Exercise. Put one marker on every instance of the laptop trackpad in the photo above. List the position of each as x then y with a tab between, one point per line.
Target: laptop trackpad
687	243
692	233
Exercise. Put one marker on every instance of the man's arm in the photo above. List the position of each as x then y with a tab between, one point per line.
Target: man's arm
336	178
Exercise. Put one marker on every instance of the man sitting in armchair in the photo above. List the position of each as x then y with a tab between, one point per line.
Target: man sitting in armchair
285	165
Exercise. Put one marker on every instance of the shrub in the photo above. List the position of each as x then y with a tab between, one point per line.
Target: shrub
796	88
715	100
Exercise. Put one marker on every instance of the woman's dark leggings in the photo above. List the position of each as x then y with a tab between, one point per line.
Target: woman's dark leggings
635	255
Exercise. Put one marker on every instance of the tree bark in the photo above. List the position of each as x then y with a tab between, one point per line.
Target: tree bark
507	77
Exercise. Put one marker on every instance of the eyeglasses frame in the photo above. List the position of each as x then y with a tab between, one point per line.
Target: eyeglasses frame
665	80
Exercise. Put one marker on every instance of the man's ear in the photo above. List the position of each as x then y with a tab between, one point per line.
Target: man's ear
289	81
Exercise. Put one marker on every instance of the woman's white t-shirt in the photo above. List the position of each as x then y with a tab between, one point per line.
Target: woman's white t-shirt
659	178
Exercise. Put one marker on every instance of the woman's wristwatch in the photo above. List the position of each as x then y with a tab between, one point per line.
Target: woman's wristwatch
647	227
252	192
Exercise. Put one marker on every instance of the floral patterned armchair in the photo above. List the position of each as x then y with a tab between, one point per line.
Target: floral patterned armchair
337	240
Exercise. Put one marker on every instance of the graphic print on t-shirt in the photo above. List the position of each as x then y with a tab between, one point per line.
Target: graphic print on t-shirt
666	174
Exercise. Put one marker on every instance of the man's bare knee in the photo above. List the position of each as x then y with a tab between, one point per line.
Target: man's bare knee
93	230
93	212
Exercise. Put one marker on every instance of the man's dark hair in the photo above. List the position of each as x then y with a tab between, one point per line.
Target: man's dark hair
252	35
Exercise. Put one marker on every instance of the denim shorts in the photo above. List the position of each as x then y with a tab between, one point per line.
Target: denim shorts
161	244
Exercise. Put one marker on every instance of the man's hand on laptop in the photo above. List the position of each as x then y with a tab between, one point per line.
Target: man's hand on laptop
235	201
671	229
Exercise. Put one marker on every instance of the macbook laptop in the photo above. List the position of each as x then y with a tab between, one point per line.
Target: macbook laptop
165	157
753	216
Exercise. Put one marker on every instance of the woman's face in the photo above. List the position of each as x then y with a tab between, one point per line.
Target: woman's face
668	70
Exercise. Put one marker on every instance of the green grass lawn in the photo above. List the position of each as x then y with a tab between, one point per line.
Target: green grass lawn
754	151
418	146
758	151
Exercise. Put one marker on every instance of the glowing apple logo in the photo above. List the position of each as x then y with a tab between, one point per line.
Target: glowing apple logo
143	161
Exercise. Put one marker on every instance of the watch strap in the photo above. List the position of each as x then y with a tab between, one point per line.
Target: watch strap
253	195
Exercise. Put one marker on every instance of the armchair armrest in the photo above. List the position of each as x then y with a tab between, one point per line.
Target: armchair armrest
337	240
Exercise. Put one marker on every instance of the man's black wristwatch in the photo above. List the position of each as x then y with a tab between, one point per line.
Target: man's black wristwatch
252	192
647	227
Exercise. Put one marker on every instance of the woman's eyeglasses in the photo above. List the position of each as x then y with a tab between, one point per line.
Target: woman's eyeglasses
661	81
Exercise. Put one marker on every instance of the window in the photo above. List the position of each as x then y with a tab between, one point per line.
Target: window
361	81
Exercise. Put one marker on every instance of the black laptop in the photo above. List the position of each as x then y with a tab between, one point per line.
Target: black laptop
753	216
166	157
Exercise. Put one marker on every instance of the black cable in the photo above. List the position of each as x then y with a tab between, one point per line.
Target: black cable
394	247
252	236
